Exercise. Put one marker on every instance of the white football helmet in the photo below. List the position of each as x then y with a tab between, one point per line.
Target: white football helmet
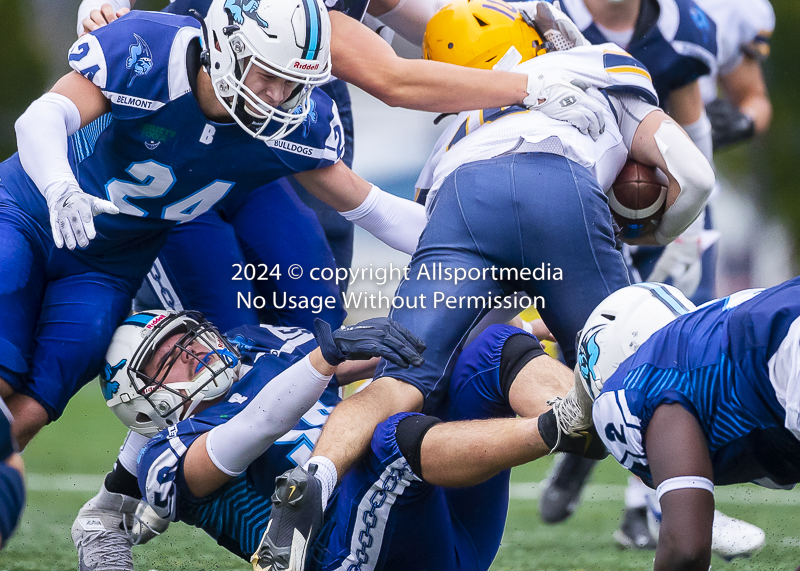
144	403
286	38
619	325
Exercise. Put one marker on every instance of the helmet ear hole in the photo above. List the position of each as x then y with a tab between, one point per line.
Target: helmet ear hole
142	418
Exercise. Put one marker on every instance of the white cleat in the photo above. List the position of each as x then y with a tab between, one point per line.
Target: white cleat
101	535
147	524
732	538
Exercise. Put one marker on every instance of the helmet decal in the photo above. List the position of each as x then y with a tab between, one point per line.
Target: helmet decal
140	59
238	9
108	387
589	353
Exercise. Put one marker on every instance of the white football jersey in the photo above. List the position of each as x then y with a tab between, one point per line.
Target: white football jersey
487	133
741	25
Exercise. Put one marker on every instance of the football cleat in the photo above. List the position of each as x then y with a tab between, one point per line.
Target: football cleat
732	538
146	524
101	532
634	532
562	492
295	521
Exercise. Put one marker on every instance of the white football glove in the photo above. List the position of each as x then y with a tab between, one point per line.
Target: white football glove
681	261
559	99
557	27
72	213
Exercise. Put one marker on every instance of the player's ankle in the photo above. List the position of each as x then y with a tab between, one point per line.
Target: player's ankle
326	474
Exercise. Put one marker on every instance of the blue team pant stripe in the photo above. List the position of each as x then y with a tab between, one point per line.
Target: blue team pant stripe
663	295
313	27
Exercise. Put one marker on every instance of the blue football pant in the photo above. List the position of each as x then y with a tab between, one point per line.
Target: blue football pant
386	518
531	210
58	314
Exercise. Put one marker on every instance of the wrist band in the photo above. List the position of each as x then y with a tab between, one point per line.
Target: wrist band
683	482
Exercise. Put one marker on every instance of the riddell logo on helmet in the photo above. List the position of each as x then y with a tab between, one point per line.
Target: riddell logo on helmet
304	65
155	321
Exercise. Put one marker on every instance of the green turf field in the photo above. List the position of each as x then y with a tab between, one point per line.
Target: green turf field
84	443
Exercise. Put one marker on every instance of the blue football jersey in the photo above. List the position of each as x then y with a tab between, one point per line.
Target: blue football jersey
266	352
732	364
677	48
156	155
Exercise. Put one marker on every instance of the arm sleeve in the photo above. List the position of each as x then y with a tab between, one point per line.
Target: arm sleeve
393	220
700	133
42	133
274	411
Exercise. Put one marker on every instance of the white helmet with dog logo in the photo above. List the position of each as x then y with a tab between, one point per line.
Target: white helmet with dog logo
289	39
620	324
144	402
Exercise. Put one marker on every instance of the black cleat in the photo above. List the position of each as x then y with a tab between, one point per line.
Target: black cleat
634	532
562	492
295	521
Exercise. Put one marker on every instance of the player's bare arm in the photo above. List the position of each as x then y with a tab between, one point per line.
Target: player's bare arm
747	90
676	449
415	84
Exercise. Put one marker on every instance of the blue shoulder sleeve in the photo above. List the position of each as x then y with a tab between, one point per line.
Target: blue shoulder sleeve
139	61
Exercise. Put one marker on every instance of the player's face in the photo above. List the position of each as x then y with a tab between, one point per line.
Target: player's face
180	366
269	88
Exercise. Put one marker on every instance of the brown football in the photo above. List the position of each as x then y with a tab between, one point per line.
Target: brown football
637	199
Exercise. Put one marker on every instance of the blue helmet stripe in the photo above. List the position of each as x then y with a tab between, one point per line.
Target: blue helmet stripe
140	319
313	28
664	296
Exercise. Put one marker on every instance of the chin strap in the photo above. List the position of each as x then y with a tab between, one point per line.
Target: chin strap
205	55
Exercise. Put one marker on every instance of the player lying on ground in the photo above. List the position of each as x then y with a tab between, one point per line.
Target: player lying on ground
512	188
187	125
692	398
214	461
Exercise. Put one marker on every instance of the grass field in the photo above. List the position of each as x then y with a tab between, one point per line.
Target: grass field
66	463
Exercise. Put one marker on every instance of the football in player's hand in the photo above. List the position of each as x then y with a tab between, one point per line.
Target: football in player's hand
637	199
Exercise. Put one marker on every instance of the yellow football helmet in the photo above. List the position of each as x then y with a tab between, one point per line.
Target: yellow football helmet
478	33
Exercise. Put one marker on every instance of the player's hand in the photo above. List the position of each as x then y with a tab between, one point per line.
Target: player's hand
557	27
101	17
559	99
72	215
379	337
728	124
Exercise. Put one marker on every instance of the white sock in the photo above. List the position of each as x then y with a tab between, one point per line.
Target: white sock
129	451
326	474
636	493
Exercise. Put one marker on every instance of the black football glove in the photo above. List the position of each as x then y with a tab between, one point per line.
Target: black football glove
728	124
378	337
